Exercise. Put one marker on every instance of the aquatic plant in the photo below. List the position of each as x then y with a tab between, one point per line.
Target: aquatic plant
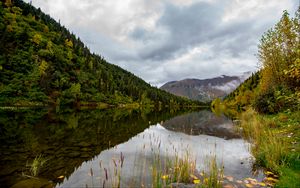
182	169
36	165
112	179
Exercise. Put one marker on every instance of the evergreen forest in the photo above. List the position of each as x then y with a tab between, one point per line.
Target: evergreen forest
42	64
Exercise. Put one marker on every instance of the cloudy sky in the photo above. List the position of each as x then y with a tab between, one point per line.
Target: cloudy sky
165	40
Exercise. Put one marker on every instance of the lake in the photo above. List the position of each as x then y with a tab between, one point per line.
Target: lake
96	148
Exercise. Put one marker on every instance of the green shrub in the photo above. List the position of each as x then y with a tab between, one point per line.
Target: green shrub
265	103
277	100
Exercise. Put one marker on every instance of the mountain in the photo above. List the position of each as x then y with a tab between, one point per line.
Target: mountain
42	63
207	89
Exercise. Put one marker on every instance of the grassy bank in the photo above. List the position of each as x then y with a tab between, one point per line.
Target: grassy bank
275	144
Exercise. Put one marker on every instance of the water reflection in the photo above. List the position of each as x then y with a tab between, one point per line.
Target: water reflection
64	140
210	136
203	122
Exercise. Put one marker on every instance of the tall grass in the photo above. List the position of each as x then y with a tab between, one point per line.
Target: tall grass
172	170
36	165
215	175
182	169
156	166
273	145
112	179
164	171
269	148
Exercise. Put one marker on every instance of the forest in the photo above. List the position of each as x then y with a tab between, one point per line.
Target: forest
43	64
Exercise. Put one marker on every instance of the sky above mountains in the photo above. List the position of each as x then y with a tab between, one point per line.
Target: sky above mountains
164	40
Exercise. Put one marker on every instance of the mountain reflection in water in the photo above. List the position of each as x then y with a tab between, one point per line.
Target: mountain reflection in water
203	122
160	139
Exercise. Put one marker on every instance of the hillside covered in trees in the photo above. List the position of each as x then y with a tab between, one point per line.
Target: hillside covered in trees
270	103
276	86
41	62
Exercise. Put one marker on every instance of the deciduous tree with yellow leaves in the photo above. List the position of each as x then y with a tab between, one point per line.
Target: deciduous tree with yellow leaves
279	54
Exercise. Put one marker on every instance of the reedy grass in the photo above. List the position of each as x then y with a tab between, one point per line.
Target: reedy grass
273	144
268	148
115	176
158	168
214	176
36	165
108	177
183	170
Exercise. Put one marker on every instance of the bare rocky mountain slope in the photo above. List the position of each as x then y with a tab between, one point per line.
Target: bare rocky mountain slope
206	89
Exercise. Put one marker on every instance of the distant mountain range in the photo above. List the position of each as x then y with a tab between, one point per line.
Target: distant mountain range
206	89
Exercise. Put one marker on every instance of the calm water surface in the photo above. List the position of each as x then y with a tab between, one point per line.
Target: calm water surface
77	146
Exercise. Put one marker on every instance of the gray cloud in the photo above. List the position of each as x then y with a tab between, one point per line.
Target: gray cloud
186	26
166	40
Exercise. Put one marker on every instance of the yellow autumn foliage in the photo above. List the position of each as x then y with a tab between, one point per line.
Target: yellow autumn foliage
279	54
42	68
69	43
37	38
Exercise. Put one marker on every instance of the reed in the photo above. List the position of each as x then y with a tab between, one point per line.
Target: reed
182	170
168	168
214	177
111	178
36	165
268	147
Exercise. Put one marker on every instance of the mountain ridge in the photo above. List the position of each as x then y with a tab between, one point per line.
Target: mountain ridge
205	89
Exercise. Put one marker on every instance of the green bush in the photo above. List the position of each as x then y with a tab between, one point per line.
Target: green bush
276	100
265	103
